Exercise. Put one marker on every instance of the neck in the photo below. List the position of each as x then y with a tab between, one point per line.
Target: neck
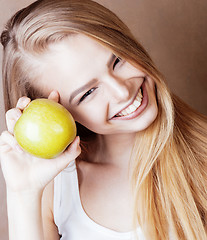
115	149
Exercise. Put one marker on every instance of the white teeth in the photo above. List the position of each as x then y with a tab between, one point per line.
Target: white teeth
140	93
124	112
137	103
133	107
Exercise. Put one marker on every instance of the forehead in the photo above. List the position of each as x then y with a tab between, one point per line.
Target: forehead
75	50
74	61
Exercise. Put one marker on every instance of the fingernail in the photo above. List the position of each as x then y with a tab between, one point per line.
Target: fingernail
54	93
26	101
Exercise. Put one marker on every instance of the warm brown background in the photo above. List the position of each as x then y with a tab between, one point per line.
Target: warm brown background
175	34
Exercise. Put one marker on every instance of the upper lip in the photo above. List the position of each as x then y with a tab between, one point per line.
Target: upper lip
130	101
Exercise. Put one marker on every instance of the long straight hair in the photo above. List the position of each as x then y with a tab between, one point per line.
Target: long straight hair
169	163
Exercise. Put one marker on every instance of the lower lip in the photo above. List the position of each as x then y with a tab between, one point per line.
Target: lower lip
139	110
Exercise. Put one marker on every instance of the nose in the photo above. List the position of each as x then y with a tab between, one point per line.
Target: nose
117	87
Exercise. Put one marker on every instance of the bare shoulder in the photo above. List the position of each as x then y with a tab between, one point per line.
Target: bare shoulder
50	229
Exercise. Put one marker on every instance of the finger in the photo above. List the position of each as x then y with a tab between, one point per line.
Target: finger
9	140
54	95
59	163
70	154
74	149
23	102
11	118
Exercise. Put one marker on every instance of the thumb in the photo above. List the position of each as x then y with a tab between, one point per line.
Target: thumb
70	154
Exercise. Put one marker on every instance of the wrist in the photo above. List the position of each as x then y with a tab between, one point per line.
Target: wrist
24	197
24	214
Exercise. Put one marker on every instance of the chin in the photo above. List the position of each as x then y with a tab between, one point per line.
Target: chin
147	119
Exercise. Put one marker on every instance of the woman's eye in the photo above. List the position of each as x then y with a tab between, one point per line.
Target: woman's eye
118	59
87	94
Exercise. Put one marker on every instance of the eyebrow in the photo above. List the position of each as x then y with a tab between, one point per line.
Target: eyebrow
91	82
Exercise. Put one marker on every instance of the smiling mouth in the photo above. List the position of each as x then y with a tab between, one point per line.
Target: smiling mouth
132	107
138	105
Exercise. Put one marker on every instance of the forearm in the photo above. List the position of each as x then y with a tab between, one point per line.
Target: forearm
24	216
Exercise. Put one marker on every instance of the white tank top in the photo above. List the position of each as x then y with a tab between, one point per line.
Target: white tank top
72	221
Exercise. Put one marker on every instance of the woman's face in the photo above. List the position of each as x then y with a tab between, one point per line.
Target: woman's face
104	93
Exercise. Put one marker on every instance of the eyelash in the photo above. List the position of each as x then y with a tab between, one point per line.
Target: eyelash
117	60
87	94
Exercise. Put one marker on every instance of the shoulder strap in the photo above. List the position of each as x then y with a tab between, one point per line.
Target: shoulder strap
64	193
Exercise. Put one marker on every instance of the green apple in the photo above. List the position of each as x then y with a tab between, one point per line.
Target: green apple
45	128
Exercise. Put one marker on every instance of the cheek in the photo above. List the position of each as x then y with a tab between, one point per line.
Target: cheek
92	124
127	71
92	114
92	120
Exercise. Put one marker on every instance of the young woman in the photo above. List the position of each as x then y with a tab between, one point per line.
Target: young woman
139	169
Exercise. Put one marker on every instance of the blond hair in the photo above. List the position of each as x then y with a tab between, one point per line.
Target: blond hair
169	163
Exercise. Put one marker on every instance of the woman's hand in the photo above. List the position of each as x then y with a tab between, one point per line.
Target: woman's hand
22	171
